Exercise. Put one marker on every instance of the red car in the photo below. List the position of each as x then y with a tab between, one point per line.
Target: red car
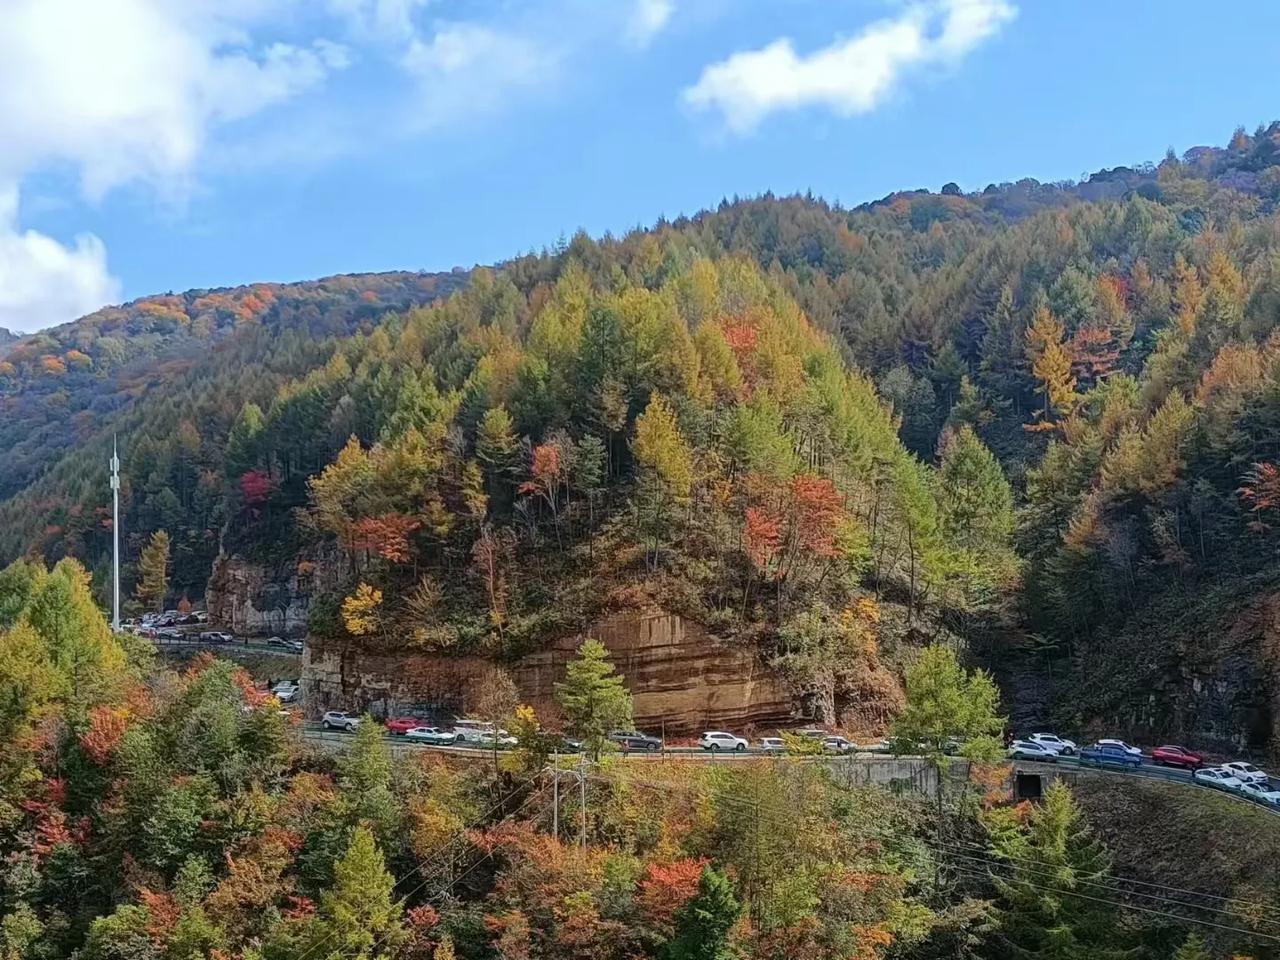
1173	756
402	725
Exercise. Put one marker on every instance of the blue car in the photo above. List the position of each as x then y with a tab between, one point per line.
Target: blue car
1109	754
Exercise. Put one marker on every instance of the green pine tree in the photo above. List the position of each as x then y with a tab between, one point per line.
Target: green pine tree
358	918
1192	948
703	924
593	697
364	774
1048	908
975	506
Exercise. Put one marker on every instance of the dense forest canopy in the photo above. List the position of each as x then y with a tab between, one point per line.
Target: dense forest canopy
154	814
1049	405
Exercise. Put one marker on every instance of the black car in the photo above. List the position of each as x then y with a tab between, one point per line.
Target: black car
635	740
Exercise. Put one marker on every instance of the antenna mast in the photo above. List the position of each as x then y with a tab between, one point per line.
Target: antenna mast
115	537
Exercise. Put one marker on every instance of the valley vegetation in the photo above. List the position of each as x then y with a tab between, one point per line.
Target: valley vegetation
148	814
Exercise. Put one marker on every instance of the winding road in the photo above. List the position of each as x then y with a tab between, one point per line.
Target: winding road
879	767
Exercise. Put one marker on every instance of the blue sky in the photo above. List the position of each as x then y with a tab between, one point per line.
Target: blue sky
247	140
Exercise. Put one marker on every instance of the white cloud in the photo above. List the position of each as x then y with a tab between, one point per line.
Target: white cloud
128	89
850	76
388	20
648	19
467	68
42	282
120	91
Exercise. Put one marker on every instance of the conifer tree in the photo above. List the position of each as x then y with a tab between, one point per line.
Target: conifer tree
666	471
1051	364
975	507
593	697
1048	909
704	923
358	918
1192	948
153	572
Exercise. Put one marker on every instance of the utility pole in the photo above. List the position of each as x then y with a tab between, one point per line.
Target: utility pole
582	786
115	537
555	796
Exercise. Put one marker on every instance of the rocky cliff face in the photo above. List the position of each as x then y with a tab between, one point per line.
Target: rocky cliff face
1202	669
254	599
681	678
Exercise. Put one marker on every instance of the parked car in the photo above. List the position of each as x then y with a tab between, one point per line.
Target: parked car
402	725
283	642
559	743
433	736
1054	743
1126	747
215	636
717	740
1171	755
773	744
471	731
502	738
635	740
878	746
838	744
286	691
1109	755
1218	778
1246	772
169	633
1261	792
1032	750
201	616
341	720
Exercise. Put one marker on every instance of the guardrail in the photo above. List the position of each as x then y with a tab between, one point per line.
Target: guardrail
316	732
231	645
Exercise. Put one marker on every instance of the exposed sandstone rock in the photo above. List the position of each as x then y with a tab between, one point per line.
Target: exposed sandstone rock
254	599
679	675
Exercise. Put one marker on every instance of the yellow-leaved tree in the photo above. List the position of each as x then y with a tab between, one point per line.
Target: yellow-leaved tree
666	472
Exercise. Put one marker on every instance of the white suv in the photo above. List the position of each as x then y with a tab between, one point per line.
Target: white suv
1054	743
341	720
1218	777
716	740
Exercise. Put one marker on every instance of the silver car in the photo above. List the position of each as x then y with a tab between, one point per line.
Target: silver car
341	720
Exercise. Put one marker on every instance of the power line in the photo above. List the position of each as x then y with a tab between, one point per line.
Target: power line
975	874
746	806
403	900
1145	883
1103	885
434	855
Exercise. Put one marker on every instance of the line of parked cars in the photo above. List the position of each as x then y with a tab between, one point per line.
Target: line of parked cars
1237	776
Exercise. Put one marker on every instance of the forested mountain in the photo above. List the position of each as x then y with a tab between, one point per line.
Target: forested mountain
785	419
59	386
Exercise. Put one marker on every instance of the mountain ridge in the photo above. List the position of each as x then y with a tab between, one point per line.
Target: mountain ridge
1111	343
